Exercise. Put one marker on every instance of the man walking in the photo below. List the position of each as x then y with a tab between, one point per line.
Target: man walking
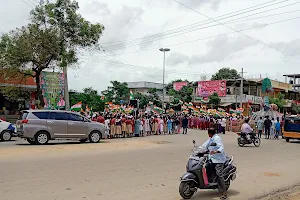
267	125
223	124
260	126
185	122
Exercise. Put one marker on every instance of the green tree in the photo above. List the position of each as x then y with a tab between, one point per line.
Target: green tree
214	100
279	101
295	109
225	73
118	91
89	97
29	51
55	34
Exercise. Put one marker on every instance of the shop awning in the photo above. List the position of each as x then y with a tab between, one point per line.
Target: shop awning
225	104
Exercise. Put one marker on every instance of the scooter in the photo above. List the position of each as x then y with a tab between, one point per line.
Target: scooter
244	139
201	175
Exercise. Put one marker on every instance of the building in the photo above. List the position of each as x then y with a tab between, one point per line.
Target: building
143	87
294	80
252	93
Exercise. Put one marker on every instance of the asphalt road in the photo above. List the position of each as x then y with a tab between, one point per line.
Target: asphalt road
139	168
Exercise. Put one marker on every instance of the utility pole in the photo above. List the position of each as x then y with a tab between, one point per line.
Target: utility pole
66	89
242	87
164	50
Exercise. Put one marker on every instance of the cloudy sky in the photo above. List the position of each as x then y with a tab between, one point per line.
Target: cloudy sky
260	36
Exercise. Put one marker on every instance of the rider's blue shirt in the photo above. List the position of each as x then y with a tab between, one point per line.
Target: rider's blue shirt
218	157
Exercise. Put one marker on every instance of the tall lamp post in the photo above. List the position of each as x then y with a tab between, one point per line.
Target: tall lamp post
164	50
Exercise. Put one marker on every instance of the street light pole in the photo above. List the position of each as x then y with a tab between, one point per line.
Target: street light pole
164	66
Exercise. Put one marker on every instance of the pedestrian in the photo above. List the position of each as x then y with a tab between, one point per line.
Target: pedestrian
107	126
260	126
118	127
161	125
147	126
141	127
223	124
124	128
185	123
112	127
137	124
273	130
267	125
128	127
169	122
277	128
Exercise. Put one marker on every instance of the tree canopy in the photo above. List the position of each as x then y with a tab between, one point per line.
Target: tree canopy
214	99
89	97
118	91
52	38
279	101
225	74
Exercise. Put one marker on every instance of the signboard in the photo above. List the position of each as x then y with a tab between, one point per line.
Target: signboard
178	85
52	86
207	88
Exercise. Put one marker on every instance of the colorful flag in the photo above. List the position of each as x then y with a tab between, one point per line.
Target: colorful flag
131	95
76	107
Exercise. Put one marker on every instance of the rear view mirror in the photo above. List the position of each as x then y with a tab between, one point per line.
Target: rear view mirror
194	141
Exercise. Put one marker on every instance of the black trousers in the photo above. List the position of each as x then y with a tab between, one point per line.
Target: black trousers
267	132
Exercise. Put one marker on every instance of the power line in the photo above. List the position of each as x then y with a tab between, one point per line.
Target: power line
210	37
27	3
205	27
190	28
265	44
194	23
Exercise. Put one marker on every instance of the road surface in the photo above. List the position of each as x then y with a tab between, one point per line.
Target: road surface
138	168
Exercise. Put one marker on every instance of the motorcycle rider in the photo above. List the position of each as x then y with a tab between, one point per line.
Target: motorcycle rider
217	157
246	129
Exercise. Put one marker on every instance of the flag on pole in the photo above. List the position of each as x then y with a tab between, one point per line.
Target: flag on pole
76	107
131	95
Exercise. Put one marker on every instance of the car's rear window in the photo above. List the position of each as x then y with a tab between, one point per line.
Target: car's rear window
41	115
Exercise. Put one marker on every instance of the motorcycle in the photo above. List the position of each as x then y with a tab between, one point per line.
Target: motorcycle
243	139
201	174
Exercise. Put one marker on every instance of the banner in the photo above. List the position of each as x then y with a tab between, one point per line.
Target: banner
207	88
52	85
178	85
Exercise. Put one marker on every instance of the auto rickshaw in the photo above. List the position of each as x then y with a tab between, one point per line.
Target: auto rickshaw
291	128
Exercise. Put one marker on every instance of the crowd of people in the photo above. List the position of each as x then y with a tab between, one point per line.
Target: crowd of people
127	125
270	127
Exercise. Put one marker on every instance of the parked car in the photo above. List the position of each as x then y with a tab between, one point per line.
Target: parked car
40	126
7	130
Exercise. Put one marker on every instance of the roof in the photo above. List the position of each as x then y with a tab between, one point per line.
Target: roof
292	75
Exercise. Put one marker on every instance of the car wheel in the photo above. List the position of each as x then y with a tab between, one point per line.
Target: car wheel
287	139
30	141
95	137
5	135
42	138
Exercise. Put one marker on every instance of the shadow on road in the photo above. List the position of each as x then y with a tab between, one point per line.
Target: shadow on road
8	141
211	194
62	143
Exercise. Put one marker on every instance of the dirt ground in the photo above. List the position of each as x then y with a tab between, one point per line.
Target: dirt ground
146	168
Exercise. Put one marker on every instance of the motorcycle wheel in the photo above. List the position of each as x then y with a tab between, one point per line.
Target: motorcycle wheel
256	142
240	143
185	190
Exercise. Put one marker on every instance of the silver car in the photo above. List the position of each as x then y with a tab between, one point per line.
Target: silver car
40	126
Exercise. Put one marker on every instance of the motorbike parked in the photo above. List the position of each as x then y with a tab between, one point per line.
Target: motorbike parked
244	139
201	173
